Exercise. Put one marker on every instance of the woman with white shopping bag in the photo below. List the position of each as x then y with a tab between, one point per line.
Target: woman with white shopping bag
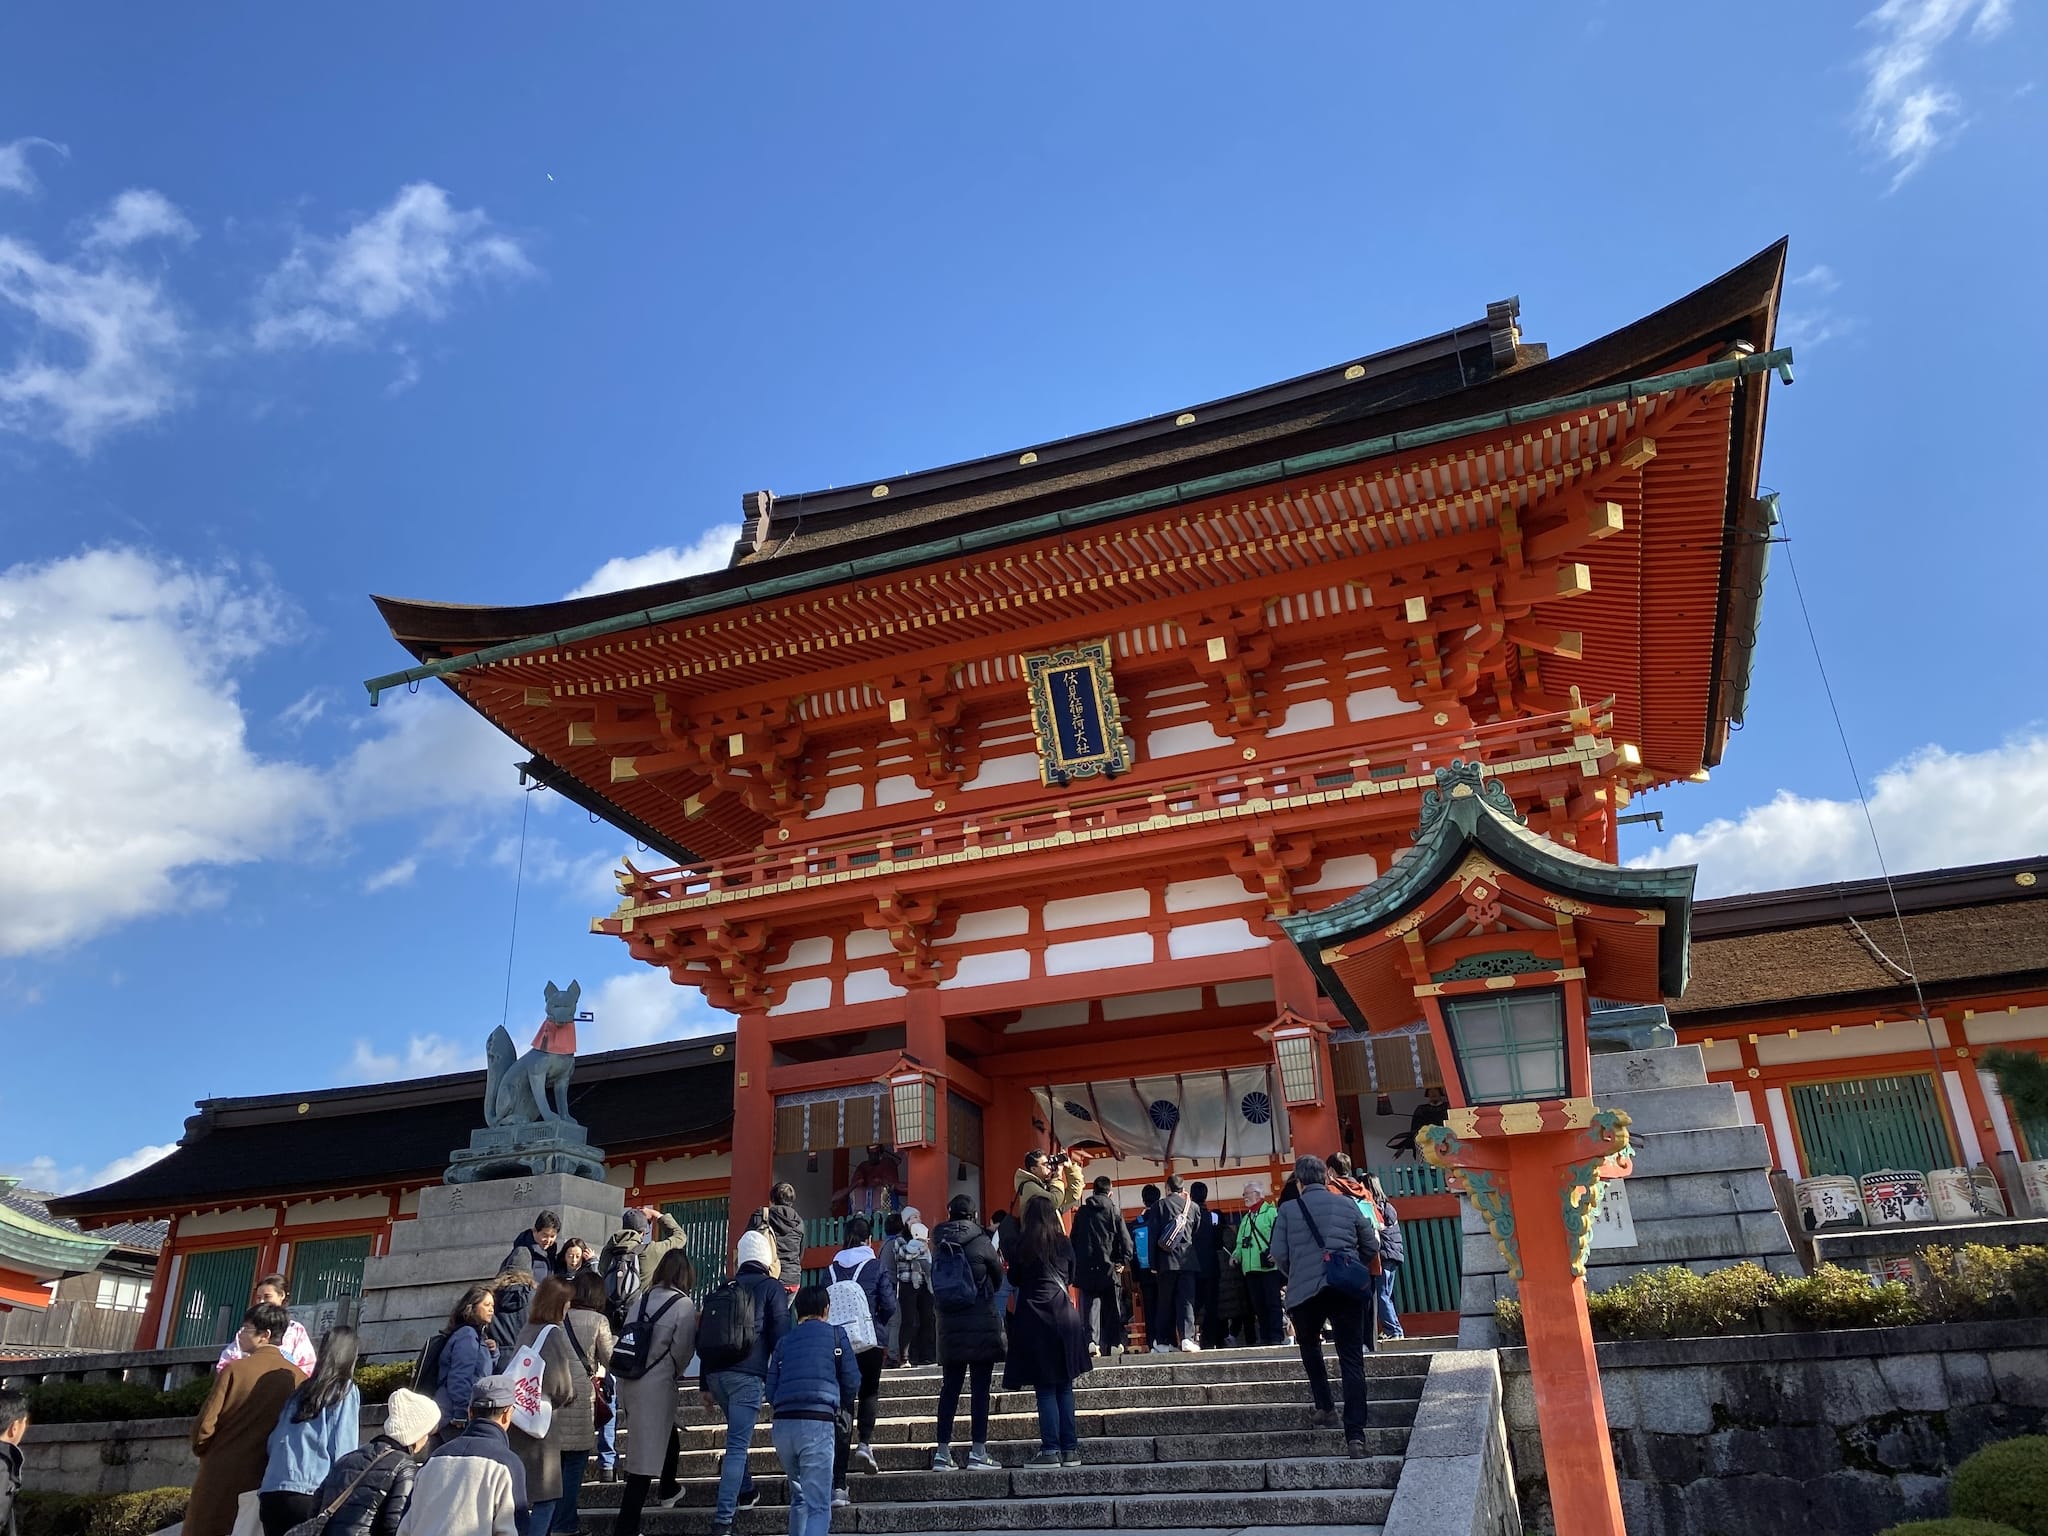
551	1411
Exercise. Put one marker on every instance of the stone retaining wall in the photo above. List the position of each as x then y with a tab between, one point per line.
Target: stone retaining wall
1455	1476
129	1457
1846	1432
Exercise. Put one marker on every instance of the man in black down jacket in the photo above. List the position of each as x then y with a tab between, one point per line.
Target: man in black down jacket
971	1338
1102	1244
780	1219
13	1425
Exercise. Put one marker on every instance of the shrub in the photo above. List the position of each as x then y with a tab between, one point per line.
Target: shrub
2005	1482
1507	1316
1950	1526
378	1382
102	1514
1833	1297
90	1402
183	1402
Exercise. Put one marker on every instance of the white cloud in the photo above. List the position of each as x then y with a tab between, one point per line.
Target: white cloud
304	710
46	1176
1806	329
137	215
410	258
16	174
711	550
128	772
391	875
1905	113
1819	277
426	753
101	349
1933	810
425	1056
643	1006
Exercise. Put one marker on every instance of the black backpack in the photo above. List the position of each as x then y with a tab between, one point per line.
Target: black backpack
426	1367
629	1354
727	1327
956	1284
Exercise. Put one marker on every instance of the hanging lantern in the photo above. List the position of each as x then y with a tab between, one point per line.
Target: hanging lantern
1383	1105
1296	1054
913	1105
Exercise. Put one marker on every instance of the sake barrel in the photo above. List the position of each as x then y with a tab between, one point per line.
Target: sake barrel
1827	1201
1896	1196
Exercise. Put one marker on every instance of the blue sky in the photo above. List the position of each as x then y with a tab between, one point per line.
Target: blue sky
469	302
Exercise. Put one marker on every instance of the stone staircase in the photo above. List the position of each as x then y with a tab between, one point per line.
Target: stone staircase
1214	1442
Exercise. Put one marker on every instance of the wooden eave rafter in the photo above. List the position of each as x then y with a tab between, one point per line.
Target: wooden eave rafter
1554	512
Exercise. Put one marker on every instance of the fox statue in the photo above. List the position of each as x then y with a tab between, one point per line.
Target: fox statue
523	1090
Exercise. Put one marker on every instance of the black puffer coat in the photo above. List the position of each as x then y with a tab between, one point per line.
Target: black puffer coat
786	1226
380	1501
974	1333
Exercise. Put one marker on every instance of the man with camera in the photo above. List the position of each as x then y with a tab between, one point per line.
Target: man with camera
1056	1176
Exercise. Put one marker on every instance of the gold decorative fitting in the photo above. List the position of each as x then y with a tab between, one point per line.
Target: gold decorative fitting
782	834
880	490
2024	877
305	1108
718	1049
1184	419
1756	1072
1250	753
1442	718
938	806
1355	371
1027	458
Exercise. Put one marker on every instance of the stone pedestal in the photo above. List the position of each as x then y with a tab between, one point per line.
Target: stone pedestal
461	1236
522	1151
1699	1195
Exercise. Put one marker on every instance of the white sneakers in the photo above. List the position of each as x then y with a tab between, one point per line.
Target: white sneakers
1190	1347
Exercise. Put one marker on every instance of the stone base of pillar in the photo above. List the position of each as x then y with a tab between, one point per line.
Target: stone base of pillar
461	1235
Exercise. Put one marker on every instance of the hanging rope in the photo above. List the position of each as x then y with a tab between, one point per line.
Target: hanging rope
1910	971
518	880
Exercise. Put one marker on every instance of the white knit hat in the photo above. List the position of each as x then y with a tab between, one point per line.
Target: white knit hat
410	1418
918	1231
757	1248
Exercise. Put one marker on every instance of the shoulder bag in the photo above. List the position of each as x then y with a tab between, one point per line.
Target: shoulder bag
318	1523
1343	1270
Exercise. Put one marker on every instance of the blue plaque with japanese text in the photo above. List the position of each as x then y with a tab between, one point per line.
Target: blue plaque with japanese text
1074	713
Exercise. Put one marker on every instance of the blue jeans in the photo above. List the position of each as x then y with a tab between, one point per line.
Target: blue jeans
738	1396
567	1515
1056	1430
804	1447
608	1437
538	1519
1390	1320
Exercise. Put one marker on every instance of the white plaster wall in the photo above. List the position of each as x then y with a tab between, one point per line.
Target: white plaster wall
1374	703
215	1223
1220	938
1103	907
805	953
354	1208
1242	994
806	996
841	798
1781	1133
1216	891
2001	1122
1308	715
897	788
1146	1005
1048	1016
870	986
1997	1028
679	1170
1352	869
996	923
986	970
1098	954
408	1204
1195	736
867	943
1854	1040
1959	1111
1018	768
1722	1056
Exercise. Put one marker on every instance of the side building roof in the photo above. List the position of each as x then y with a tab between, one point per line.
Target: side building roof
345	1140
1821	948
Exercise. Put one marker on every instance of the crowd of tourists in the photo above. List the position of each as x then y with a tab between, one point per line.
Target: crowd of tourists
521	1392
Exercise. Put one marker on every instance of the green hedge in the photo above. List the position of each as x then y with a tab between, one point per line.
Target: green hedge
102	1514
2005	1483
1950	1527
1966	1284
113	1402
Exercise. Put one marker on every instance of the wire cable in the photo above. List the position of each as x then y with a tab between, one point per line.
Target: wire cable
518	881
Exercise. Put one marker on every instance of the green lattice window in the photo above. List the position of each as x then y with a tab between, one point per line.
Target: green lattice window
1510	1045
1865	1124
328	1269
213	1293
704	1224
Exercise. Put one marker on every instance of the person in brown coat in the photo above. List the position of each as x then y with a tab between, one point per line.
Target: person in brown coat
230	1436
572	1432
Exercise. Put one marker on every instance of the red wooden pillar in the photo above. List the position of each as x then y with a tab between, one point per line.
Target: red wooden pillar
159	1287
1571	1411
753	1123
925	1041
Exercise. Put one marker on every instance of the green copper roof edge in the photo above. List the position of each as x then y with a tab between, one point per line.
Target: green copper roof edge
1121	506
28	1241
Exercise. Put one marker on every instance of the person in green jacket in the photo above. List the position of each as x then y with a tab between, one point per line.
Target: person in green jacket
1254	1251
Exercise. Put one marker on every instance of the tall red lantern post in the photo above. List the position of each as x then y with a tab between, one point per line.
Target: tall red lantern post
1499	940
